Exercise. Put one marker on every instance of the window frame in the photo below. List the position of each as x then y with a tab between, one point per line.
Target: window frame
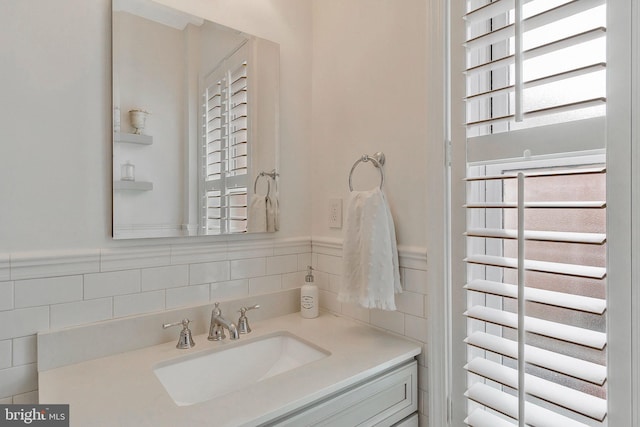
622	158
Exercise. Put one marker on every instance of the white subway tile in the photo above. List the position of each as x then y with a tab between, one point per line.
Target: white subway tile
335	283
265	284
165	277
53	290
30	398
410	303
246	268
414	280
6	295
416	328
390	320
22	322
329	301
24	350
293	280
208	272
100	285
18	380
320	279
304	260
330	264
81	312
229	289
189	295
146	302
282	264
5	354
357	312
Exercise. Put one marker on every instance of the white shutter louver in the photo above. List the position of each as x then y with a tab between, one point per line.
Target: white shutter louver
563	49
226	152
536	230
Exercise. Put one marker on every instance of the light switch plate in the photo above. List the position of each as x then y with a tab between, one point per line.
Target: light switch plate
335	213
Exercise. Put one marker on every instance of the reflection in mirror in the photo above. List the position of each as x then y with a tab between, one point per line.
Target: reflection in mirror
195	125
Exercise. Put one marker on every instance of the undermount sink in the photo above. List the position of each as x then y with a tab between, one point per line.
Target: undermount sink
204	376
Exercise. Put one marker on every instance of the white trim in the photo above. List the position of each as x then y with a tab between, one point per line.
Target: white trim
5	267
635	220
252	248
622	319
587	134
620	293
326	246
31	265
198	252
413	257
457	269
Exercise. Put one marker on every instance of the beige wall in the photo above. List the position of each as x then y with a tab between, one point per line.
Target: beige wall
55	116
369	95
370	62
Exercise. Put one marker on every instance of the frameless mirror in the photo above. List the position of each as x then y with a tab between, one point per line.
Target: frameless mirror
195	110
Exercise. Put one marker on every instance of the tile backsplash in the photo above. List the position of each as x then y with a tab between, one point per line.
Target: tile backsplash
46	291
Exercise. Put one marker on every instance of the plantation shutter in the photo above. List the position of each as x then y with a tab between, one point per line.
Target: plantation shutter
536	206
226	148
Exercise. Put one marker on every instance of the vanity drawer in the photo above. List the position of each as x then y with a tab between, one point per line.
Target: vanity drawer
382	400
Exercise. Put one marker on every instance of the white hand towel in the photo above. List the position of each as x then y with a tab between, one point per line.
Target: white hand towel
257	214
371	275
271	215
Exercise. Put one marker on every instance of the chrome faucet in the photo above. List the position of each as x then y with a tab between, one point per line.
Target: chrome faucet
218	323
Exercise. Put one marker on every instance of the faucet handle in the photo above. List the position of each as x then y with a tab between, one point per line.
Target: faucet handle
186	339
243	322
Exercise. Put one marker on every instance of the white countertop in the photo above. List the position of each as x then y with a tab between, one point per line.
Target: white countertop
122	389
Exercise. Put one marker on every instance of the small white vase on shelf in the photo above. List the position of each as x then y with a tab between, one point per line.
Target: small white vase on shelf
127	172
138	119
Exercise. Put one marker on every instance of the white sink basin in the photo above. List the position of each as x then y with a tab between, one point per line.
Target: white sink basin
203	376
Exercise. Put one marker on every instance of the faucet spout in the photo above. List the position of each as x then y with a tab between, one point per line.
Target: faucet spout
218	323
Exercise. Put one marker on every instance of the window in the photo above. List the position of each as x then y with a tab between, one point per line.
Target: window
536	330
225	147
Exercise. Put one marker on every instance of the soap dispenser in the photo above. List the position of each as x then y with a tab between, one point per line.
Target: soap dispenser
309	296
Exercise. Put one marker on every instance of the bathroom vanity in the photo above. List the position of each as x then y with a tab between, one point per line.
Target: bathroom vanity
324	371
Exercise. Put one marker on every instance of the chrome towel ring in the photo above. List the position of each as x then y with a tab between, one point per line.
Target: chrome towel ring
273	174
377	159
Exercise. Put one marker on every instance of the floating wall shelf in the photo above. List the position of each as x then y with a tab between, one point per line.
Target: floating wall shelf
133	138
132	185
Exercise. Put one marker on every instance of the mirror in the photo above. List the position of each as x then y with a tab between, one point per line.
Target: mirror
195	110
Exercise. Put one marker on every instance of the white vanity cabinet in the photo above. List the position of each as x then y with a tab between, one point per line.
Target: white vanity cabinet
384	400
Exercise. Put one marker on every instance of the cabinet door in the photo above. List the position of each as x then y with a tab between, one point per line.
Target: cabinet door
380	401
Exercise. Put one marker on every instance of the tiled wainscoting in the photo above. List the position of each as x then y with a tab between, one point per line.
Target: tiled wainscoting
410	318
43	291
